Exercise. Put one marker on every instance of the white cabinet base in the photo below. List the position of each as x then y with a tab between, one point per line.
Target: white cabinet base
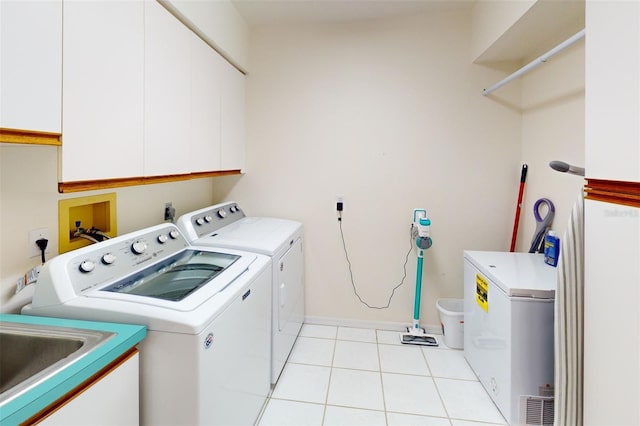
112	400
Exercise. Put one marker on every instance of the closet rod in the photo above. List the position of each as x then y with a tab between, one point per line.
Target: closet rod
542	59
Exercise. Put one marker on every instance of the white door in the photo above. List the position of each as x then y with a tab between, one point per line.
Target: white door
233	119
102	102
206	69
31	65
167	97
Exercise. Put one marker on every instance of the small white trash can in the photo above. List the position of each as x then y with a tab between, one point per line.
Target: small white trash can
452	321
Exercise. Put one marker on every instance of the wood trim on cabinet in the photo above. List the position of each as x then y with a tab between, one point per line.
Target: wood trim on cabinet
40	416
613	191
89	185
30	137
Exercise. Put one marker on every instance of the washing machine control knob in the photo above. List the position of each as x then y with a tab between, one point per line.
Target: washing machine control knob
174	234
221	213
200	221
162	238
108	258
87	266
138	247
208	218
233	209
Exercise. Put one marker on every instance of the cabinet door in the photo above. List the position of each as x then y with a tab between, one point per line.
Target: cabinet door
206	68
167	93
233	113
113	399
31	65
103	59
611	294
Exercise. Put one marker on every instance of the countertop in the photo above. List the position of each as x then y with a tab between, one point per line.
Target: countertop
31	402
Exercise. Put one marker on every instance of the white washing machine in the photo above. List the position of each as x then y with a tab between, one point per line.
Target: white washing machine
206	358
508	326
225	225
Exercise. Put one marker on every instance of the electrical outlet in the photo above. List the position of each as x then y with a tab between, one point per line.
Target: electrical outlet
35	235
339	203
169	211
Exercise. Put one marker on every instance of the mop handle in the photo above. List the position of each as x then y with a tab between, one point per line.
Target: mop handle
523	178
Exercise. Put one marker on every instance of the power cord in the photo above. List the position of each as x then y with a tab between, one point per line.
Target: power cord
355	291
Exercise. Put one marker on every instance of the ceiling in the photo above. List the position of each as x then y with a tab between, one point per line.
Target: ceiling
272	12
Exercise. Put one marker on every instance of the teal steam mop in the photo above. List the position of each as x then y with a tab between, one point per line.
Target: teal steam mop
416	335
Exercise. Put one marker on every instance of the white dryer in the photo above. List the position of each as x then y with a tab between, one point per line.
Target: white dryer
206	358
225	225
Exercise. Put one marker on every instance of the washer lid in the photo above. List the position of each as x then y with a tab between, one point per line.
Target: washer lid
264	235
517	274
181	282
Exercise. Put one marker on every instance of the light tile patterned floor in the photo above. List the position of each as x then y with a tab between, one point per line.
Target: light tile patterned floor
355	376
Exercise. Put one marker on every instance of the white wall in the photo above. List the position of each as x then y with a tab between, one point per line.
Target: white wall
552	129
29	200
389	115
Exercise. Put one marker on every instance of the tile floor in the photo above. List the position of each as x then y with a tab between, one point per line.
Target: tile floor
355	376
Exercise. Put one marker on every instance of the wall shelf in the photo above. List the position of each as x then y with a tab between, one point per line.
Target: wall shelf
544	25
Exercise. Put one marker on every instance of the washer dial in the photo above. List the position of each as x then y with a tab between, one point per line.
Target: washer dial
138	247
87	266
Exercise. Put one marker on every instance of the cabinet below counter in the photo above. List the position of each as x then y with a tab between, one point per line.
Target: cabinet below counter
65	393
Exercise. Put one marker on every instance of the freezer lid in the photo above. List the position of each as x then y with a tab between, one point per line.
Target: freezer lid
264	235
517	274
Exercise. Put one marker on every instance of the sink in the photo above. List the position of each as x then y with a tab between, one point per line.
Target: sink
30	354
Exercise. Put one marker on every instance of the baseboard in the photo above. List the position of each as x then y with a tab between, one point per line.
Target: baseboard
380	325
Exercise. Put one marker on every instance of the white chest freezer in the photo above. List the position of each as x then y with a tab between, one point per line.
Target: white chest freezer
508	325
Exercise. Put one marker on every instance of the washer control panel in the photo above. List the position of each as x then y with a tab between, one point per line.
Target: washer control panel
208	220
118	257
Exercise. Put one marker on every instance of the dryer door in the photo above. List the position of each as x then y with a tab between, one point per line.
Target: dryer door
290	290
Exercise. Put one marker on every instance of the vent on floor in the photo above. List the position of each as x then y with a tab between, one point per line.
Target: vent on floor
536	410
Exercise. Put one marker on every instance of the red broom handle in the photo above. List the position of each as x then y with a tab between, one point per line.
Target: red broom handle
514	235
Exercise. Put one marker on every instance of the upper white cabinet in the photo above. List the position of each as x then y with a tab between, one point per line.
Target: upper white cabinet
144	96
612	96
31	65
103	88
194	101
233	115
206	95
167	93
